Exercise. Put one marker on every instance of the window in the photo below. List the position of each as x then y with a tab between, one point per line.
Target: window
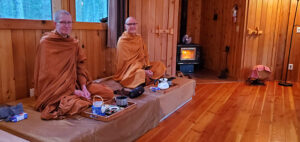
26	9
91	10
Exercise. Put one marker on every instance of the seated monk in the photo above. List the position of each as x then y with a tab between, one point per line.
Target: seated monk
62	85
133	65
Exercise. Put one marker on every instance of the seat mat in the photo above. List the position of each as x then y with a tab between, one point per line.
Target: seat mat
151	108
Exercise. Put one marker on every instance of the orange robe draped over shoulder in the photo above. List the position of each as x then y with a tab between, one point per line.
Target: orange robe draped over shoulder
59	70
132	57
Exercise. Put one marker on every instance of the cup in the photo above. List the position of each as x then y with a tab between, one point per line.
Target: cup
121	101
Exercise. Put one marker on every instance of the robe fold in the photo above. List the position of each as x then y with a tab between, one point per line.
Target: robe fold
132	58
59	70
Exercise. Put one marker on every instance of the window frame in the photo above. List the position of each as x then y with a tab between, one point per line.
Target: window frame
29	24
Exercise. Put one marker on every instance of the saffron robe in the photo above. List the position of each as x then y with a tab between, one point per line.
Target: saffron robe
59	70
132	58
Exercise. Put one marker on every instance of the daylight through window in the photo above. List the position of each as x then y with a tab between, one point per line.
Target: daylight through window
26	9
91	10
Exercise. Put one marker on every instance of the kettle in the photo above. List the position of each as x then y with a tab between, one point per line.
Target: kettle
163	83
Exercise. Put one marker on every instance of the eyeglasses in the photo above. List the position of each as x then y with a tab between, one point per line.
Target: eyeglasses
65	22
131	24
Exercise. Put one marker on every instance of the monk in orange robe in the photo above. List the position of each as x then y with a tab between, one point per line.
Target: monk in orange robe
62	85
133	59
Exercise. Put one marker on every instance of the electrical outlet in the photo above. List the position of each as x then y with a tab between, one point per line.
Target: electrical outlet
298	30
291	66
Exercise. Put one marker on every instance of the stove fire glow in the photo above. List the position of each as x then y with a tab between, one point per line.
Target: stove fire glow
188	54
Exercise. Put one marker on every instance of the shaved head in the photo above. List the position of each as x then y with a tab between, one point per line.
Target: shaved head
131	25
63	22
59	13
130	19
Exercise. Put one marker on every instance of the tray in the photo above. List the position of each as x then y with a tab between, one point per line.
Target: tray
88	112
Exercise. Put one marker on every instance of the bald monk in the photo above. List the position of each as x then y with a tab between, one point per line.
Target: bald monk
61	81
133	65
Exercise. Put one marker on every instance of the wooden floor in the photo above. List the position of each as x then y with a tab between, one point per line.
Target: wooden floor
233	112
205	76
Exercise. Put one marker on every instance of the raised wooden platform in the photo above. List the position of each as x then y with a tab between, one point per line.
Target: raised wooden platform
151	108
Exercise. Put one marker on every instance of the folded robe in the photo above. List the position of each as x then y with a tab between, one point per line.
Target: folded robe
7	111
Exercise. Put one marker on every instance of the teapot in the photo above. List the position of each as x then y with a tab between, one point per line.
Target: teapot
163	83
98	106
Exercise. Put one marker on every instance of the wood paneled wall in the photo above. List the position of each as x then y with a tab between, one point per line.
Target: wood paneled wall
19	41
270	48
271	18
194	20
293	75
7	82
158	25
18	48
216	34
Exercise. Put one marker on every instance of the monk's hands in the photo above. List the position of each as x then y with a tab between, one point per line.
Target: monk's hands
83	93
149	73
86	93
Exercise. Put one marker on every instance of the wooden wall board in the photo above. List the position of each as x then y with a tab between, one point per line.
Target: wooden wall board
281	38
30	46
98	66
164	37
250	39
292	75
139	15
132	10
101	54
7	85
155	17
110	60
266	49
25	24
239	42
170	45
194	20
215	35
176	33
19	59
56	5
145	20
72	9
151	32
158	25
89	52
65	4
273	40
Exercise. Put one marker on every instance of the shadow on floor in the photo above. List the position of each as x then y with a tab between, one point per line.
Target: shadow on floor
207	77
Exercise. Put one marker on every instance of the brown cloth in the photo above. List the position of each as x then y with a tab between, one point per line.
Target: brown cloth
59	70
132	58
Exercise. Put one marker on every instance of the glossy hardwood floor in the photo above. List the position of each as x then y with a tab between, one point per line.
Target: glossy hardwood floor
233	112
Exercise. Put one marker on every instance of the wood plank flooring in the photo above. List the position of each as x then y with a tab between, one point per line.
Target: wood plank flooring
233	112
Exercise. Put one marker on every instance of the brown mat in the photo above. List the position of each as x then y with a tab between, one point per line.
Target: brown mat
151	107
170	99
125	128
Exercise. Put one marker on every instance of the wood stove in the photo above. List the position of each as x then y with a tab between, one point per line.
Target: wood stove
187	56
